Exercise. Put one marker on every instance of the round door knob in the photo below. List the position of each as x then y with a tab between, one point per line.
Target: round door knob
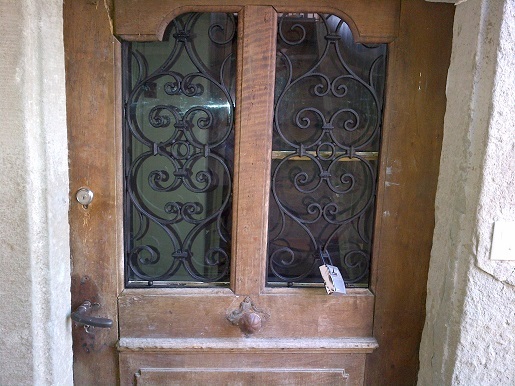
250	323
248	317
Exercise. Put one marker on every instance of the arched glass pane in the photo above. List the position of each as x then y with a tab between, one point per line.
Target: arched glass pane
179	99
327	120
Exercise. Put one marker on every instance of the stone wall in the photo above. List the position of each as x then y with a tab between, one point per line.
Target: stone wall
469	335
35	337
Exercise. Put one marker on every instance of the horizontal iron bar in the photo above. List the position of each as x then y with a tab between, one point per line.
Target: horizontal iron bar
281	154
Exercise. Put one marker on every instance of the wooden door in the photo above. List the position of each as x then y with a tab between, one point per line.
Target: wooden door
183	335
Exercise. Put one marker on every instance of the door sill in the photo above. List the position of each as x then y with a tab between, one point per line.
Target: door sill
351	345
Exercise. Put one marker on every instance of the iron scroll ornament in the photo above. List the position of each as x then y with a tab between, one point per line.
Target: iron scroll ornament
327	120
178	140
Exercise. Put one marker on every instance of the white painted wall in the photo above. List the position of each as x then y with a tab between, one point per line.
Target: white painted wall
469	335
35	335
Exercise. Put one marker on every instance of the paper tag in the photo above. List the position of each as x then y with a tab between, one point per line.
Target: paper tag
333	279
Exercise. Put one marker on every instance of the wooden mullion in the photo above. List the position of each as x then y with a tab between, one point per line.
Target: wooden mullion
254	116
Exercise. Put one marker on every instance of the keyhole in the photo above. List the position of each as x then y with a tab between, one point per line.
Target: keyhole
84	196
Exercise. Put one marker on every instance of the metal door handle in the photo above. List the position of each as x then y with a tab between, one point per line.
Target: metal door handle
80	316
247	317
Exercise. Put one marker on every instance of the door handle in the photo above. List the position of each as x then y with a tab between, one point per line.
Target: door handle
80	316
248	317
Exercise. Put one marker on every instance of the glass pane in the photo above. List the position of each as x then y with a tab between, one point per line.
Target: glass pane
179	144
328	107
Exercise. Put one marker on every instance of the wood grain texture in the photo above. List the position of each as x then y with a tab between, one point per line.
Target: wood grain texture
263	376
313	366
307	314
370	21
253	137
413	127
90	89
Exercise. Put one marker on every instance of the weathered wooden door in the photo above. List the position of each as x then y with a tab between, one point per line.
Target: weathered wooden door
256	324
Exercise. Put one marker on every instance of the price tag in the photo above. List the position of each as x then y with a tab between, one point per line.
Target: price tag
333	279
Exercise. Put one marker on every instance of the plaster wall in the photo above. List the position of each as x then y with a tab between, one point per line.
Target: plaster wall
35	336
469	335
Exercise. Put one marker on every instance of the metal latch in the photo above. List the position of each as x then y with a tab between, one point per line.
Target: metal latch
80	316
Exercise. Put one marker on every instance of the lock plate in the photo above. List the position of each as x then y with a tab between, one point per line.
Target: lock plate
84	196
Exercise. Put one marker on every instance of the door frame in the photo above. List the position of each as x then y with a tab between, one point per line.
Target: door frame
402	231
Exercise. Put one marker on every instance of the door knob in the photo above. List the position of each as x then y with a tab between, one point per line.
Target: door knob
247	317
80	316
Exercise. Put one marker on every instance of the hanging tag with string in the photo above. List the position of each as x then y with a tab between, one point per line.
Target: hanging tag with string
333	279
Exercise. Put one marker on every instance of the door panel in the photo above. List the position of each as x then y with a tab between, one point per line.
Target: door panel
295	313
183	333
242	368
215	376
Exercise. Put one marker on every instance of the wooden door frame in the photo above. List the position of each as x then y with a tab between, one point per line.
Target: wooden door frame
379	26
414	107
414	112
92	117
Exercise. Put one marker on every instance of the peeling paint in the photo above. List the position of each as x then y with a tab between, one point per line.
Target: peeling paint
109	8
388	183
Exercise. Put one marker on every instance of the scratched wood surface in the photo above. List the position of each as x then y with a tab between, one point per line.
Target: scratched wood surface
415	106
91	116
297	314
256	76
370	21
413	127
250	368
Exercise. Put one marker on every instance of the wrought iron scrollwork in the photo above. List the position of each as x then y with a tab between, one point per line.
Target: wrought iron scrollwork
327	120
178	139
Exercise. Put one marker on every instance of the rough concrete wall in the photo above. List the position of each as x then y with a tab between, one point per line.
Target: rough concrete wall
15	324
469	335
35	337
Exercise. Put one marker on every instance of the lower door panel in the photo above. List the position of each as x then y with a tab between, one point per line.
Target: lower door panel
245	361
